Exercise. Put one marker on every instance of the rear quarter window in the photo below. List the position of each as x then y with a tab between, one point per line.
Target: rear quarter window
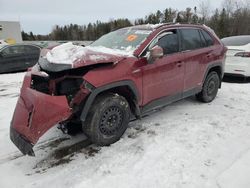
209	40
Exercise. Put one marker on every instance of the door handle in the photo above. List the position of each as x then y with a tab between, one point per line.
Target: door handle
208	55
179	63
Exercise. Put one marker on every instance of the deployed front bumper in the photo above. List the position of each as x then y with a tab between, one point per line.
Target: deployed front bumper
35	113
21	143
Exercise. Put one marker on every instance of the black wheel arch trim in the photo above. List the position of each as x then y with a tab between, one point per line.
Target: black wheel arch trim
210	66
101	89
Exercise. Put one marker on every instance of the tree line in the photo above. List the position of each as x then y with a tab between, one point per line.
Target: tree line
232	19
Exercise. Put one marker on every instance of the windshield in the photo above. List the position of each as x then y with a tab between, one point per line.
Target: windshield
127	39
236	41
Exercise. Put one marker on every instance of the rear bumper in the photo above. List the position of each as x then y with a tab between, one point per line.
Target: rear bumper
35	114
235	75
237	66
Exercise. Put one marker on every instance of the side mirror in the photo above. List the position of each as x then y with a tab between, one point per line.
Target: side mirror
156	52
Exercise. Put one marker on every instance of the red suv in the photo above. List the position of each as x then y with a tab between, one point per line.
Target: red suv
126	73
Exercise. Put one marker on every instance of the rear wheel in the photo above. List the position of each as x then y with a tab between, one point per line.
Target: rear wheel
107	120
210	88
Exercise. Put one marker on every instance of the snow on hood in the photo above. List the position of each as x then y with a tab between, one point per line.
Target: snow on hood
70	54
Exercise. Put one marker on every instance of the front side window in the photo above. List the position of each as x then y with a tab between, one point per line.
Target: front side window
169	43
168	40
190	39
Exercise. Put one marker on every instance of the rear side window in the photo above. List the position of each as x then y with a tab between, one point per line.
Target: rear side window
32	50
209	40
191	39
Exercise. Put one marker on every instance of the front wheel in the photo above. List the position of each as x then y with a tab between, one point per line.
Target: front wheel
210	88
107	119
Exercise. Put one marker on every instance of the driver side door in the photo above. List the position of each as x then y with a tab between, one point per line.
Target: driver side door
163	79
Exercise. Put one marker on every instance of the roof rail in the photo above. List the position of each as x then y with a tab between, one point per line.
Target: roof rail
168	23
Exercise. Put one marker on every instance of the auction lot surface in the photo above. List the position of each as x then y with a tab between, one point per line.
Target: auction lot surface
187	144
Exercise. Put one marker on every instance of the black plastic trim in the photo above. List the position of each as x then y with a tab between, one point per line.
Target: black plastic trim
218	64
98	90
164	101
235	75
21	143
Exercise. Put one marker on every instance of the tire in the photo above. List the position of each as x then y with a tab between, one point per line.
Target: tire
210	88
107	119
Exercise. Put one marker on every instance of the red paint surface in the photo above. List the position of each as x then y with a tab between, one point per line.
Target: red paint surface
167	76
36	112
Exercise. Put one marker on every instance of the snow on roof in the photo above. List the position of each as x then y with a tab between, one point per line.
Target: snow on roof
68	53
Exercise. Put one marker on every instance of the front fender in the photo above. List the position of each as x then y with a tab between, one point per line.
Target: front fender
101	89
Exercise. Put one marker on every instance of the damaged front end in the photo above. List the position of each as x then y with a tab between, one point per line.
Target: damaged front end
46	99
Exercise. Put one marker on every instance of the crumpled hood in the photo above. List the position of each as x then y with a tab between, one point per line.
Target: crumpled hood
69	56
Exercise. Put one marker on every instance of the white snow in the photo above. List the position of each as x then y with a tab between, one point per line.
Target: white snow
2	45
128	51
185	145
97	57
68	53
65	53
154	26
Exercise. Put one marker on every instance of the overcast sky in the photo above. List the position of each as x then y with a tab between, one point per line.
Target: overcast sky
40	16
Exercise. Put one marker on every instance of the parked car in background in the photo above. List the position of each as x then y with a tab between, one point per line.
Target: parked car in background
18	57
238	56
129	71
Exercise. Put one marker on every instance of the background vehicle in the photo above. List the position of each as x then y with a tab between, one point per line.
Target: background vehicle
238	56
18	57
129	71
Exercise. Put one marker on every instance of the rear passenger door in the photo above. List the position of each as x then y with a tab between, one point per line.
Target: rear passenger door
197	55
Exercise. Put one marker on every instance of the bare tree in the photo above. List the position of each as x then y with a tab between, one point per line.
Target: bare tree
247	4
232	5
204	10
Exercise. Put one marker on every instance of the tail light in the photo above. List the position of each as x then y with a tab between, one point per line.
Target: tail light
243	54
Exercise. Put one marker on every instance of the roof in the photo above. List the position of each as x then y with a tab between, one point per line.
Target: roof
157	26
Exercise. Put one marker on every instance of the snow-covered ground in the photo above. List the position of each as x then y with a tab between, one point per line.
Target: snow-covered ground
185	145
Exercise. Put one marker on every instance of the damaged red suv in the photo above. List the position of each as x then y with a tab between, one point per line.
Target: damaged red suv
126	73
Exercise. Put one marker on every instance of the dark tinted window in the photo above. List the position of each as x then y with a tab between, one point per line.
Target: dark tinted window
13	50
32	50
203	41
169	43
208	38
236	41
190	39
